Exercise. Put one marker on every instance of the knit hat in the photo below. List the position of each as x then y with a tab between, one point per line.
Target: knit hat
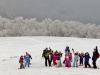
26	52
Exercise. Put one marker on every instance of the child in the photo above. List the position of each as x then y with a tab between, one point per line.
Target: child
81	55
87	57
54	59
58	60
27	60
67	59
21	61
76	55
29	56
70	59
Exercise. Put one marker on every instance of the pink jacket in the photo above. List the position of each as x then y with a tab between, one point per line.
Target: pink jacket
67	57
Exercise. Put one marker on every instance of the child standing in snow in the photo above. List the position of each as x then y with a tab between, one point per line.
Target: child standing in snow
70	59
58	58
87	57
21	61
54	59
67	50
67	59
76	55
81	55
29	56
27	60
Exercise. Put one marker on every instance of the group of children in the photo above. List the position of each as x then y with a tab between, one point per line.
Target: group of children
55	57
51	56
25	60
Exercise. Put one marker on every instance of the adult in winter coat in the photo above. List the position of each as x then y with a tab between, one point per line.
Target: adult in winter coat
87	57
21	61
45	54
94	57
76	56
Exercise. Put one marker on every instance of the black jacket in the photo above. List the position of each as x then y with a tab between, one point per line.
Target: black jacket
95	55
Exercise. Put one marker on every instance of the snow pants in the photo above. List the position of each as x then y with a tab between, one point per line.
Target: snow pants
21	65
75	63
54	61
70	62
94	63
47	60
27	63
87	64
81	61
66	63
58	63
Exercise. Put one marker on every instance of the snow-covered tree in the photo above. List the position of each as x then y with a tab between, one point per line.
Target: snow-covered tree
47	27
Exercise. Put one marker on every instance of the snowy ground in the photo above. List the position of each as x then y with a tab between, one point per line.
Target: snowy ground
12	47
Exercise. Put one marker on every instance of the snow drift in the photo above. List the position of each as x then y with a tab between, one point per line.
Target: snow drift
11	48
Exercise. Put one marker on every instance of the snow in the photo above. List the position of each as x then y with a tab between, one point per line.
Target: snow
11	48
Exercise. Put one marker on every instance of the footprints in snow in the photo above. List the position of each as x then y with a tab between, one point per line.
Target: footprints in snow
12	57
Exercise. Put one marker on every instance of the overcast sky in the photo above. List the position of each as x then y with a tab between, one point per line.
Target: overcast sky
85	11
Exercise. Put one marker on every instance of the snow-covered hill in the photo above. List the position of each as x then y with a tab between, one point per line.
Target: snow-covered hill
11	48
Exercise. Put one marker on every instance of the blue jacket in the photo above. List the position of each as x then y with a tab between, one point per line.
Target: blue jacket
87	57
27	58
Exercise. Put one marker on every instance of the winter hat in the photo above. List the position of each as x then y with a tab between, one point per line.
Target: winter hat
26	52
21	56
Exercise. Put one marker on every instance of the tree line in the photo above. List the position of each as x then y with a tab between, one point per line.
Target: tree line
47	27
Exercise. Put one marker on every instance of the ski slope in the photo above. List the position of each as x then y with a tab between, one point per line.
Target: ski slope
11	48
